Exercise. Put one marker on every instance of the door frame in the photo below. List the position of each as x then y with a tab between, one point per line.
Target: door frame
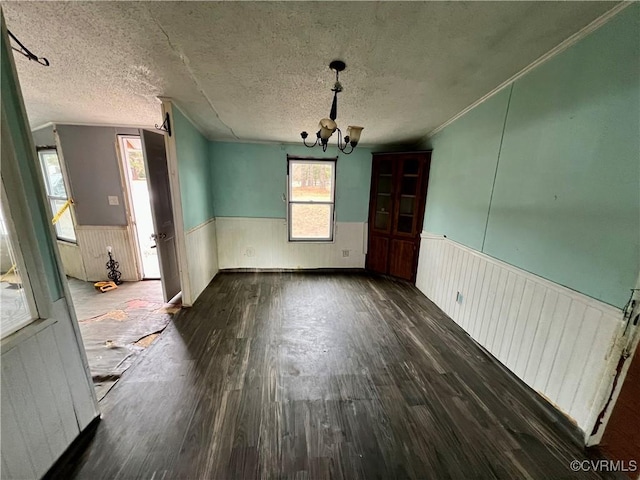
132	228
629	342
22	215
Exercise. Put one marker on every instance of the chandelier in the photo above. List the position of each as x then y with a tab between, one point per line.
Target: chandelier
328	125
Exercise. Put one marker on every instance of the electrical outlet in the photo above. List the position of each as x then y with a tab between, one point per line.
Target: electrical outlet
345	253
459	298
113	200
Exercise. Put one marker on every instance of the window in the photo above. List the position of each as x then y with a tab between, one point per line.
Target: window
57	193
17	307
312	189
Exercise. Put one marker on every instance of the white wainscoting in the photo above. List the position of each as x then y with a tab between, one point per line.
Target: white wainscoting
47	399
93	242
72	261
561	343
263	243
202	258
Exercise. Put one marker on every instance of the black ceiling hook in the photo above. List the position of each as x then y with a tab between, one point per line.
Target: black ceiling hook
166	125
26	52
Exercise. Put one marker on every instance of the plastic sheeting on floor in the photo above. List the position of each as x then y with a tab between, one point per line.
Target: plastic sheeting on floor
117	326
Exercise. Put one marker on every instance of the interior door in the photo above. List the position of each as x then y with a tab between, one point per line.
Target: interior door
155	157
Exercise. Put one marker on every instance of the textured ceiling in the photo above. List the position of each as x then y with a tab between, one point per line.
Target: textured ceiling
257	71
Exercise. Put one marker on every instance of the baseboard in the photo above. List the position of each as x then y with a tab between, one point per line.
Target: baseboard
295	270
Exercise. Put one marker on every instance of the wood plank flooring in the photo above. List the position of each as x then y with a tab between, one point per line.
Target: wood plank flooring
314	376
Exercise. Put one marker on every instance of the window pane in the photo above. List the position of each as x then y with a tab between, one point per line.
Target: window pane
311	181
382	221
14	309
311	221
409	186
405	223
64	226
52	172
406	204
384	184
411	167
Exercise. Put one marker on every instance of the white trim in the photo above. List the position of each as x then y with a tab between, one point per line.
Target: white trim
199	226
88	124
561	47
101	227
176	203
45	125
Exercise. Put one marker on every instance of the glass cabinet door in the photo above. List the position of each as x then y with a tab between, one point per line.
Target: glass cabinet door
383	184
407	196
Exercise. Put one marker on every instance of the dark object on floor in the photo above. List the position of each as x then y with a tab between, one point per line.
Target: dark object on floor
306	375
112	267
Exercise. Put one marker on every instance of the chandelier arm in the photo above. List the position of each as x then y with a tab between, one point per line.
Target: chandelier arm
345	150
341	146
310	146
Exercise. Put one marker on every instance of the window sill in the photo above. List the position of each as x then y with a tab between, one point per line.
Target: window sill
332	241
24	333
67	242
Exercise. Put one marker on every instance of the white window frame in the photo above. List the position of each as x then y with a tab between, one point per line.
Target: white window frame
298	160
52	198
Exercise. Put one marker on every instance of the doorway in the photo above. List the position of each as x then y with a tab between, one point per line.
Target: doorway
135	174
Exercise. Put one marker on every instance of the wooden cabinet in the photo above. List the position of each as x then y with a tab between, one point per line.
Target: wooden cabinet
396	209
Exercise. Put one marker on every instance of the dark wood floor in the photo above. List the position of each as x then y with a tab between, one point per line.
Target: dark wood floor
312	376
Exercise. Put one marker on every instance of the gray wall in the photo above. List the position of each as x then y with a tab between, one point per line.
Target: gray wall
91	160
43	137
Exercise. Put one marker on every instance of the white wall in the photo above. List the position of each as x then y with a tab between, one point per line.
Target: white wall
46	398
263	243
561	343
93	242
72	260
202	258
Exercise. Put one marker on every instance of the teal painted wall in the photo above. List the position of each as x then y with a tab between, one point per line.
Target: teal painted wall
248	179
194	168
463	167
18	128
565	204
